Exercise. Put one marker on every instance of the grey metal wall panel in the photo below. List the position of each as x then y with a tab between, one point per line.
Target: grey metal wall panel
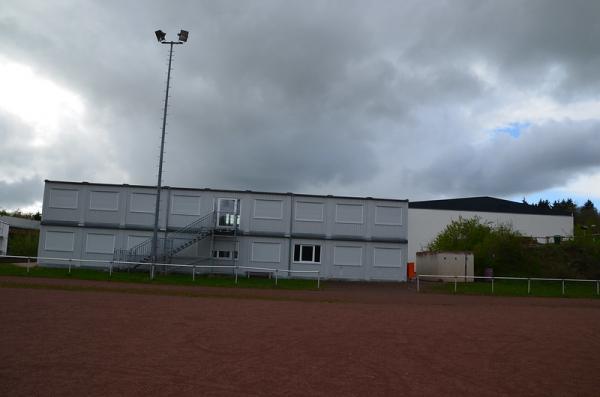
63	198
59	240
104	200
266	252
100	243
310	211
349	213
268	209
189	205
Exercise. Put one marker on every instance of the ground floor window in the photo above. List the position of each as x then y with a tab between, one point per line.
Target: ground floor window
226	255
307	253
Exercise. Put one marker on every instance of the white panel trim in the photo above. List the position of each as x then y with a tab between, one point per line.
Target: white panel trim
264	243
309	202
390	223
268	217
64	207
61	232
116	208
362	213
348	264
87	243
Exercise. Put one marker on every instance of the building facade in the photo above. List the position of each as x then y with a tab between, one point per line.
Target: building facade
429	218
341	237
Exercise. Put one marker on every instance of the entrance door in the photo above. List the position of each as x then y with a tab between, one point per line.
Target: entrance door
227	212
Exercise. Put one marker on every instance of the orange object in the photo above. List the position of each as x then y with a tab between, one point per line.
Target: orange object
410	270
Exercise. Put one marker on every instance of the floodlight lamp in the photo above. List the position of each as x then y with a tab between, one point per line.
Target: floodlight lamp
183	35
160	35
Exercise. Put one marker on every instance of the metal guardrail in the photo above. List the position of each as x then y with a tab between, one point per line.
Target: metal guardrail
193	268
492	278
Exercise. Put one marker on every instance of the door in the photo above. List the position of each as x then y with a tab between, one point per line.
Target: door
227	212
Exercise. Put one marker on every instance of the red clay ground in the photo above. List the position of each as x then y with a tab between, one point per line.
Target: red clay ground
122	339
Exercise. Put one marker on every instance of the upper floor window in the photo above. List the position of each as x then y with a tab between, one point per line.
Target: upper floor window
228	212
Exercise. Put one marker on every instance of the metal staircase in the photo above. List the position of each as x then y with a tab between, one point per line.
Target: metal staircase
173	243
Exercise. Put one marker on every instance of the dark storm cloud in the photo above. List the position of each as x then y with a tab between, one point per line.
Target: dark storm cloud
302	95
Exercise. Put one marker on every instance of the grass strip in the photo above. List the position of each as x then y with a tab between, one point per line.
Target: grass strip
160	279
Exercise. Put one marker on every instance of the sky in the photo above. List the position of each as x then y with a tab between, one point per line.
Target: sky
399	99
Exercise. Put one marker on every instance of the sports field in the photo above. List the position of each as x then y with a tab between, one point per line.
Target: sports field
74	338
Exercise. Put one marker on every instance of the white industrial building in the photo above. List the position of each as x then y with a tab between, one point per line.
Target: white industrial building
426	219
342	237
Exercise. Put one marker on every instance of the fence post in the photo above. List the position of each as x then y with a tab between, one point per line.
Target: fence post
275	276
455	284
110	266
597	287
563	286
528	286
27	264
319	280
194	273
69	265
236	274
418	289
492	285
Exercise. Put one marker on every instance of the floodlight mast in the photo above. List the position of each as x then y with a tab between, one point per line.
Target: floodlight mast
160	36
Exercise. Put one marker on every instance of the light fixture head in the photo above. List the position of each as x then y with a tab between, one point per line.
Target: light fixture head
183	35
160	35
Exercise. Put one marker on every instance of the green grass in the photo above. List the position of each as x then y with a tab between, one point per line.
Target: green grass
573	289
144	278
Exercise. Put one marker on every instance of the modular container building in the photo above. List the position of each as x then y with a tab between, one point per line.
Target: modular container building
353	238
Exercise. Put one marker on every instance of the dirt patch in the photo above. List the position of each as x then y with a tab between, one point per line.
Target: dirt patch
96	338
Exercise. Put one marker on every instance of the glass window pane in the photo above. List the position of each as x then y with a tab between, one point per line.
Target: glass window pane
296	253
307	253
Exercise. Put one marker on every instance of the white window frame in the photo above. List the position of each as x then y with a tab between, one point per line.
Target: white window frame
390	223
268	217
347	264
309	202
139	211
64	207
233	254
313	262
362	213
105	209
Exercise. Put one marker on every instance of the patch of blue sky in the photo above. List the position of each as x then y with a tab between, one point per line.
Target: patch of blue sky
513	129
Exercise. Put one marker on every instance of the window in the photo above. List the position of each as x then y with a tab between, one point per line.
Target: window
104	201
142	202
225	255
63	198
307	253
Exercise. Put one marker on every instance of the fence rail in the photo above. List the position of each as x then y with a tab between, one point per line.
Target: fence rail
76	262
492	278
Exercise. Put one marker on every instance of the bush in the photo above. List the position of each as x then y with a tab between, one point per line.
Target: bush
22	242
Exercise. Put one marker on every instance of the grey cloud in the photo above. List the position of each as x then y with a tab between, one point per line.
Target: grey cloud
304	95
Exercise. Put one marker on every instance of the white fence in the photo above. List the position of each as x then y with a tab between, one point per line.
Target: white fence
492	278
70	262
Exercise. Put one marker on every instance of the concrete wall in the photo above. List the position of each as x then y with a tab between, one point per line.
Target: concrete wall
4	227
357	238
426	224
446	264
